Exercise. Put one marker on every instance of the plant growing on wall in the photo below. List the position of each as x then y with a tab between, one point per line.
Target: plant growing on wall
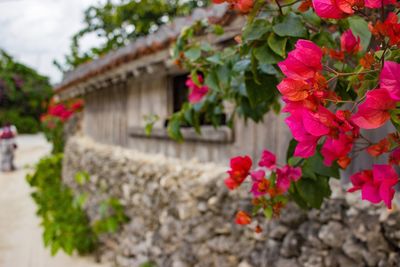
65	223
335	67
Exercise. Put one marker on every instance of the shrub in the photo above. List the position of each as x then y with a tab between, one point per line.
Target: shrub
24	124
66	225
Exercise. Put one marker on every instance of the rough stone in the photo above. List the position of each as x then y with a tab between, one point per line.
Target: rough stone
182	215
332	234
291	245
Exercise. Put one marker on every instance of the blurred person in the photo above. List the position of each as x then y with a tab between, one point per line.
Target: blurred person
8	146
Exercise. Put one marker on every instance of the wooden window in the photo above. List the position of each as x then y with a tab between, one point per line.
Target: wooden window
180	91
180	94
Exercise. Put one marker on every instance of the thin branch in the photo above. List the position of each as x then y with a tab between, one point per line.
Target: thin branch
279	6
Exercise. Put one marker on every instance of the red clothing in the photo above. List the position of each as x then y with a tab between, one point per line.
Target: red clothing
7	133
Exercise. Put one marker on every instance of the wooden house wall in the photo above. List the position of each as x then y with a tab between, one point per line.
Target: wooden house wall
110	113
105	117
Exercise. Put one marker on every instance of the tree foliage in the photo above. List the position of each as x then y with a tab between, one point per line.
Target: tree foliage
118	23
23	94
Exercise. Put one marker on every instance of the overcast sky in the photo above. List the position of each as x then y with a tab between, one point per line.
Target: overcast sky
38	31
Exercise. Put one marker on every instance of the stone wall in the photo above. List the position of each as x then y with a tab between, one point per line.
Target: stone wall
182	215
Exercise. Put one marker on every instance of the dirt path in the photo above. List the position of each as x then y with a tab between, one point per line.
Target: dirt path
20	234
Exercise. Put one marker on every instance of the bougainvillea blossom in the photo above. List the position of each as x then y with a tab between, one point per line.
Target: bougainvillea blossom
394	157
242	218
390	79
328	9
196	92
374	111
260	185
240	168
60	111
268	160
350	43
337	150
376	185
285	176
379	148
244	6
378	3
303	62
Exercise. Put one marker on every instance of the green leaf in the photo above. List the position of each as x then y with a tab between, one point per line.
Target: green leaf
195	77
218	29
82	177
277	44
395	118
296	197
316	164
216	59
242	65
291	148
291	26
268	212
267	69
258	93
313	191
211	80
193	53
264	55
256	30
359	27
174	129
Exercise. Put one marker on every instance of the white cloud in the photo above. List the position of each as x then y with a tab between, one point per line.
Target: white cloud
38	31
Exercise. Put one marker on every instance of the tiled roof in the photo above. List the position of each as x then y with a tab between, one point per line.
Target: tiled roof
142	46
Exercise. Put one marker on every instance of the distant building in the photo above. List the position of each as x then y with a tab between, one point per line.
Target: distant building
140	79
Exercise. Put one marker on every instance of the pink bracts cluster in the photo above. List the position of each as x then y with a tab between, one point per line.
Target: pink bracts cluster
269	180
337	9
196	92
305	91
311	122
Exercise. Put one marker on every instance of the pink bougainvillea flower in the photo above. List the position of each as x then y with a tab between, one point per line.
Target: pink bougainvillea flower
303	62
328	9
77	105
240	167
260	184
359	179
390	79
376	185
60	111
196	92
337	149
349	6
387	178
307	143
242	218
350	43
379	148
287	175
294	90
394	157
374	112
318	123
268	160
345	124
389	28
378	3
244	6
